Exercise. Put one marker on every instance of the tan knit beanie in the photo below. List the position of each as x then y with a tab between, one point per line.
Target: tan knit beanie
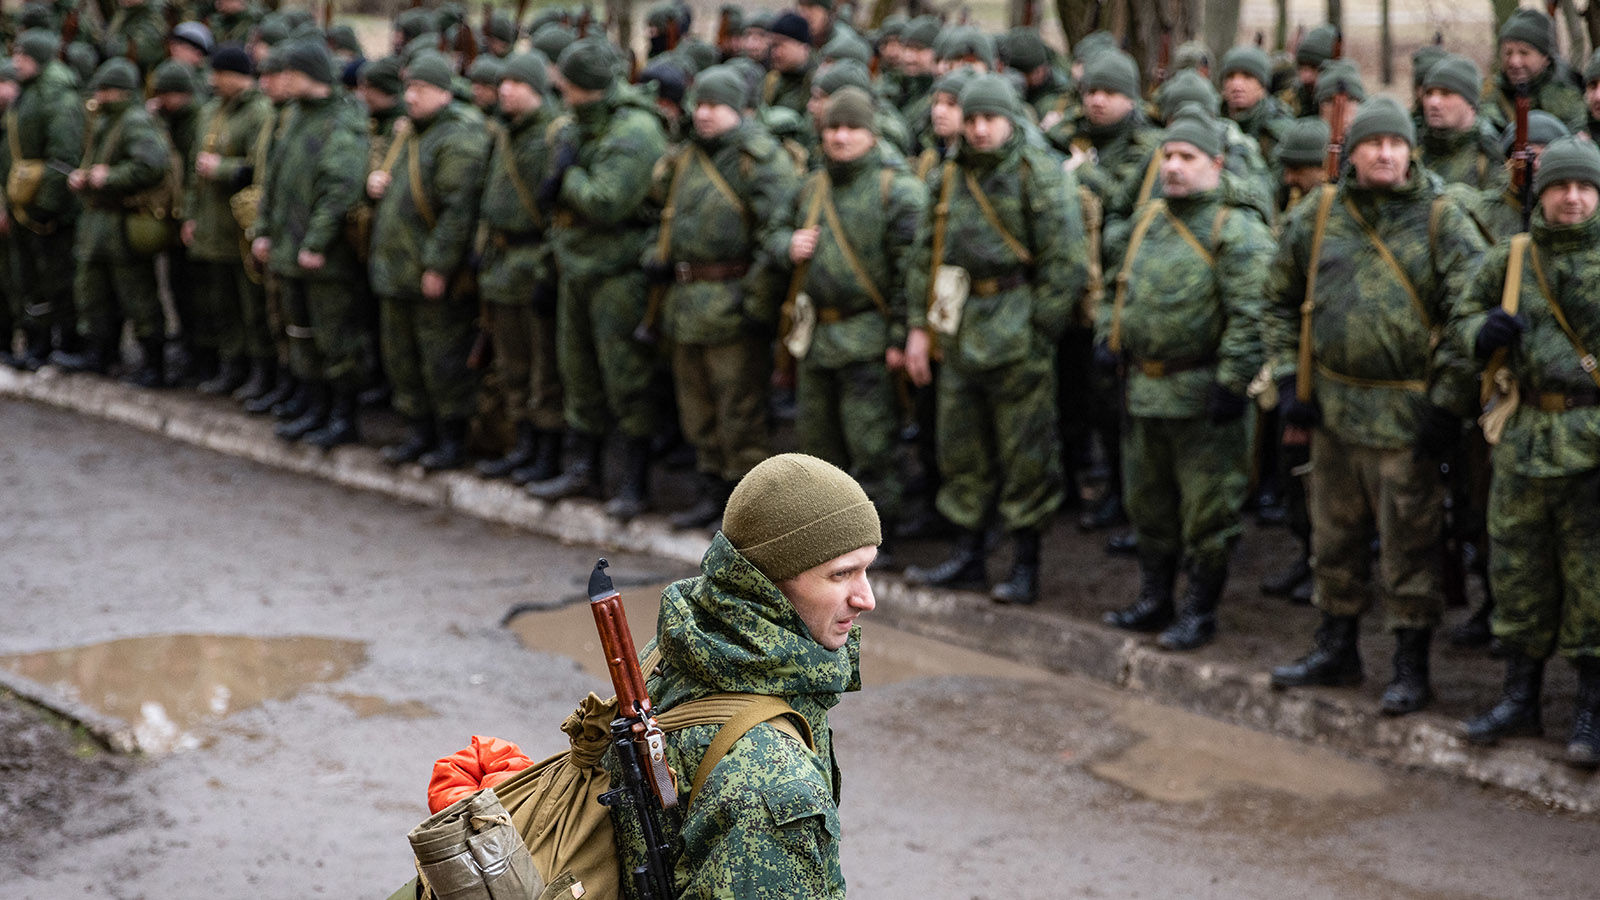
794	512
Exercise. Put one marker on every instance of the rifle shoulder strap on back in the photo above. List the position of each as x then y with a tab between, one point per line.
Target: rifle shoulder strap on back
820	184
1140	229
739	713
941	224
719	182
993	218
419	194
842	239
1147	186
502	139
670	210
1510	300
1319	230
1585	358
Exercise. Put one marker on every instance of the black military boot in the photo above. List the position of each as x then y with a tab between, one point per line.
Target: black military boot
1583	750
633	494
192	365
257	380
580	477
1196	625
1021	587
283	388
451	451
149	374
1516	714
963	570
319	405
1474	632
231	373
1105	513
1152	609
419	439
295	404
37	351
90	359
520	454
341	427
1334	660
546	461
711	495
1409	691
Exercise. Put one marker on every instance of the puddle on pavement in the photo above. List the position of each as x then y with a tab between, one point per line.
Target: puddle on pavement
887	654
167	688
366	706
1186	758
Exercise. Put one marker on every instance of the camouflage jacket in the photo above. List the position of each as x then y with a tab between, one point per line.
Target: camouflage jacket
1038	204
879	204
731	217
1244	167
230	129
518	255
426	223
1377	351
183	130
766	823
1265	122
125	137
1122	153
233	28
49	125
1552	90
1056	94
1469	157
1193	295
605	214
1497	210
789	89
1539	443
138	33
314	178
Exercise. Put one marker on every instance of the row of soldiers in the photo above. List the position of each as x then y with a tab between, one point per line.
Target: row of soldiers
1008	247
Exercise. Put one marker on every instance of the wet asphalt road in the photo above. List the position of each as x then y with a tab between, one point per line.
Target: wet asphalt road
307	651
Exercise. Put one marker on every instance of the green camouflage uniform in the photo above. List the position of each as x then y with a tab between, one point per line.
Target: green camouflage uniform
1498	211
1376	369
609	379
997	441
1544	499
46	122
848	414
1055	94
199	329
717	328
1470	157
1266	122
766	822
111	278
518	263
426	342
313	180
790	90
1123	152
136	32
229	298
1552	90
234	28
1185	477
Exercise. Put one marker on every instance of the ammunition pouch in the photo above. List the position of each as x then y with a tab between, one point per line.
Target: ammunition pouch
23	181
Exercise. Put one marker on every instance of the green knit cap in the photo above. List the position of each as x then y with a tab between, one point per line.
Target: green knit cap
920	32
1093	44
989	94
1304	143
531	68
173	77
850	106
1316	47
552	39
1543	130
1339	72
383	75
1249	59
844	73
1567	159
954	81
486	70
115	74
1456	74
589	63
1194	125
721	85
1112	71
1531	27
429	67
1425	58
1378	117
965	41
39	45
794	512
1187	86
1024	49
847	45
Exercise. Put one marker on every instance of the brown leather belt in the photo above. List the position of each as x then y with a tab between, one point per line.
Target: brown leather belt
1161	368
686	272
988	287
829	316
1554	401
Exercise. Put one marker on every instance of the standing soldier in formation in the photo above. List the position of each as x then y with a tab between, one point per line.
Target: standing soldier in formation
998	267
600	182
1185	324
1457	144
788	83
1532	315
313	181
518	279
421	240
1498	207
1247	97
1529	61
286	398
136	33
232	300
174	104
723	191
1315	49
1365	278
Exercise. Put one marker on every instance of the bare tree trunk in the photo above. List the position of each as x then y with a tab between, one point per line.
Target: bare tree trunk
1385	44
1336	13
1577	49
1221	19
1280	35
1591	21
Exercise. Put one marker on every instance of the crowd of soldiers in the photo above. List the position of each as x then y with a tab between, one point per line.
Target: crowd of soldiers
1243	281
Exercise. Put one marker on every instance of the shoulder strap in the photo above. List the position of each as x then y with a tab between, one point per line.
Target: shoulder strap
842	239
1217	222
941	223
1319	230
993	218
1585	358
670	210
769	87
1394	264
737	714
1188	236
1140	229
419	196
717	181
502	137
885	177
1510	299
1093	226
12	137
820	183
1151	170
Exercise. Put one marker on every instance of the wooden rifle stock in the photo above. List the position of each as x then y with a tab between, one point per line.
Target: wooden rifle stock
1522	157
622	661
674	32
1335	157
725	47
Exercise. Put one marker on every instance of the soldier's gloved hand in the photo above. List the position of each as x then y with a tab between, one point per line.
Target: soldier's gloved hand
1501	329
1224	405
550	188
1301	414
658	272
1438	434
1105	359
544	298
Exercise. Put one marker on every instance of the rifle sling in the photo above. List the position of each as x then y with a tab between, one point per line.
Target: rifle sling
841	239
1585	358
813	212
993	218
1510	300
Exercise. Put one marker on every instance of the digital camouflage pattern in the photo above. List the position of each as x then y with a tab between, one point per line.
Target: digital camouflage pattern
136	32
1184	486
1544	562
1265	123
766	823
517	255
789	90
49	124
1470	157
1122	153
1552	90
1365	327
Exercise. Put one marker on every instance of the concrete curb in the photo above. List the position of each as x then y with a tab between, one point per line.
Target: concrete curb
1232	693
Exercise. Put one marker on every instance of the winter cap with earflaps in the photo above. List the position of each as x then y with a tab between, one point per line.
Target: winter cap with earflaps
794	512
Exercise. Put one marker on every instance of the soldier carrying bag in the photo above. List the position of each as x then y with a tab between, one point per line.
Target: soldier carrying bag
22	182
805	315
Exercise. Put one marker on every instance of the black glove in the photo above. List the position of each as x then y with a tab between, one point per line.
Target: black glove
1501	329
1105	359
658	272
1223	405
544	298
1307	414
550	188
1438	434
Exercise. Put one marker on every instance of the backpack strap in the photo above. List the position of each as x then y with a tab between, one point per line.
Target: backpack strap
737	714
1319	230
1585	359
1140	229
1510	299
993	218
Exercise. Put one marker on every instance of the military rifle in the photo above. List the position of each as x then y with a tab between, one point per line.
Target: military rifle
1522	157
674	31
327	14
1335	155
1299	35
1030	14
648	787
725	48
69	31
585	19
466	43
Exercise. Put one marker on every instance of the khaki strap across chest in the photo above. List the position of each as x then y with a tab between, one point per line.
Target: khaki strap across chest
502	137
1141	229
419	193
993	218
1585	359
813	214
842	240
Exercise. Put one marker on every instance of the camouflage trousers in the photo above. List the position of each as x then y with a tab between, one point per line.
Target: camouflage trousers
326	324
40	280
525	361
1544	563
1358	493
999	450
1184	486
230	311
722	404
425	348
110	292
849	416
609	380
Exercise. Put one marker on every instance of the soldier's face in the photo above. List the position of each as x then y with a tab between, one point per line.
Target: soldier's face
815	15
484	95
714	119
1242	91
917	60
986	131
1447	110
518	97
1591	97
1569	202
26	67
1381	162
946	115
1186	169
846	143
830	597
186	53
788	54
1307	75
424	101
1104	107
230	84
1521	62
